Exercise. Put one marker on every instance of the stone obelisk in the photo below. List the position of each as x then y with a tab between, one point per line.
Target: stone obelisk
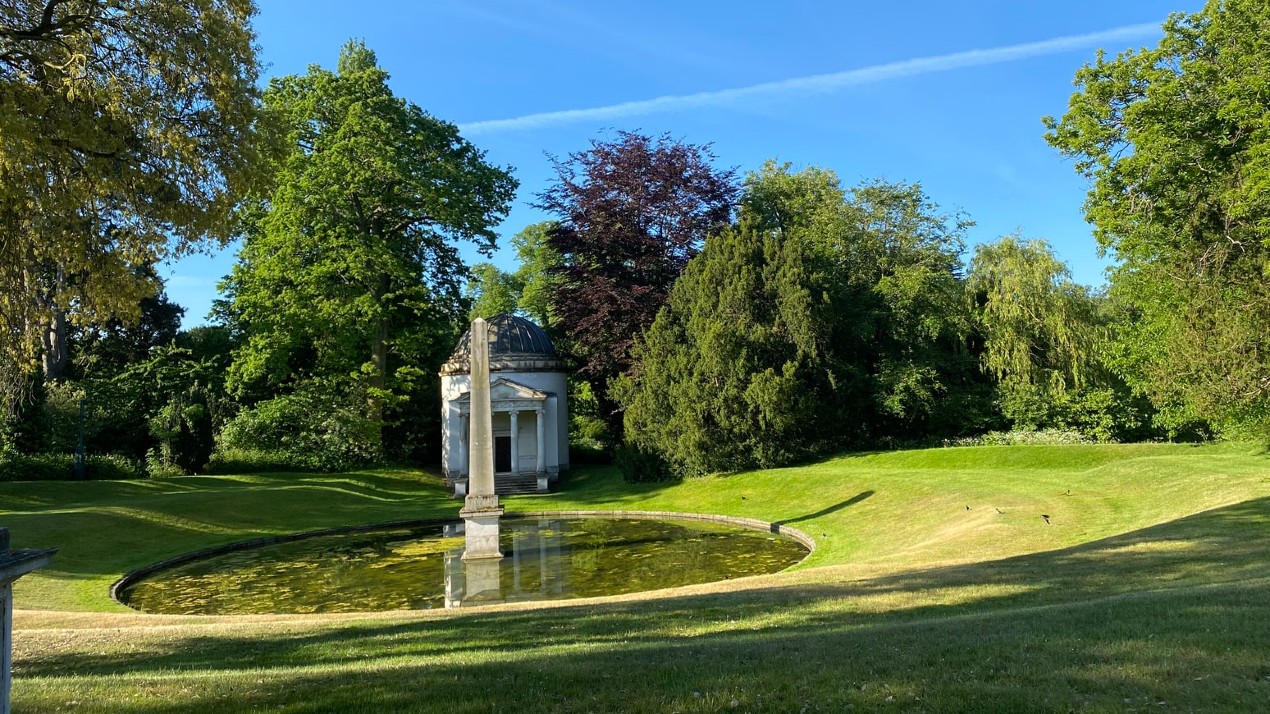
480	509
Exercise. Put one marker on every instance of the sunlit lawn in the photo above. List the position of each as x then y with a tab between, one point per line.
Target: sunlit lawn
1145	591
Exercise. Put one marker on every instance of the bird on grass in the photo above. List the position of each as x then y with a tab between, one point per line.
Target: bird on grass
967	508
999	511
1046	517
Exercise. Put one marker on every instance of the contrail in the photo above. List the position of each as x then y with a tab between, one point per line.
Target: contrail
815	84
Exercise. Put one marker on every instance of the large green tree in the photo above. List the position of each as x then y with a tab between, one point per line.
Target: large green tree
1175	140
893	260
822	319
127	135
350	276
491	291
529	289
735	371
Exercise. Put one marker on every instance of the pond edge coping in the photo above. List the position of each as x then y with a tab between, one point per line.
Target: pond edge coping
751	524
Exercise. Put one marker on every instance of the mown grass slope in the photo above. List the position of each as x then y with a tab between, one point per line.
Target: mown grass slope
1144	591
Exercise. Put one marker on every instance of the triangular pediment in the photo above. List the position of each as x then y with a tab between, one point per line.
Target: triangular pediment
506	390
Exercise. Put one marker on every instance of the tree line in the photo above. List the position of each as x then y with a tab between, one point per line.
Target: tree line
717	321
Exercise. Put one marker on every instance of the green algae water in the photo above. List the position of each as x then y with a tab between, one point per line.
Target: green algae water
419	568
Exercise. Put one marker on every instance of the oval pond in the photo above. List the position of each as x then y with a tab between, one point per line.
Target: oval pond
418	568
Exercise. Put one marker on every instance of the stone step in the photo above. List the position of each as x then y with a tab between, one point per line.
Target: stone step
506	484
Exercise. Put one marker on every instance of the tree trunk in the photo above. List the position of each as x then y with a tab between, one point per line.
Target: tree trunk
56	357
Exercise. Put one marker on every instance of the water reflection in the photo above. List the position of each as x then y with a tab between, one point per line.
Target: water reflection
535	562
419	568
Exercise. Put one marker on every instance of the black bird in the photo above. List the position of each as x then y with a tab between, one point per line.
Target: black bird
1046	517
967	508
743	498
998	510
1069	492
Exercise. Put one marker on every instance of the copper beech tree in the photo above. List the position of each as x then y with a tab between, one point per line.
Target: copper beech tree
631	211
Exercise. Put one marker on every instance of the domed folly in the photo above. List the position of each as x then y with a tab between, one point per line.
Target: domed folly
528	395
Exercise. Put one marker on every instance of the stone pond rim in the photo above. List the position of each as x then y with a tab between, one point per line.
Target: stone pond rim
751	524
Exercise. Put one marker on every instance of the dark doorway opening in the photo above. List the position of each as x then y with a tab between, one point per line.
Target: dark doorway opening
502	454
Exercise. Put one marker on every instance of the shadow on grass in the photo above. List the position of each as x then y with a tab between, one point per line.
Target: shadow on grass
826	511
1175	613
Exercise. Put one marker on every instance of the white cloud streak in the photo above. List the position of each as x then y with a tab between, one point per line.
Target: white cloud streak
815	84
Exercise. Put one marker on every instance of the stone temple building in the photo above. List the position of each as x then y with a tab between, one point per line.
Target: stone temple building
529	403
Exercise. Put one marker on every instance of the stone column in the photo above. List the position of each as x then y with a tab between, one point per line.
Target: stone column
13	565
463	441
480	509
6	644
515	415
540	465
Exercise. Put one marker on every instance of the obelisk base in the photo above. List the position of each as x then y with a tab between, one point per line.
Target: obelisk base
481	529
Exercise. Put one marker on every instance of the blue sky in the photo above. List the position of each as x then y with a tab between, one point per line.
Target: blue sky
950	95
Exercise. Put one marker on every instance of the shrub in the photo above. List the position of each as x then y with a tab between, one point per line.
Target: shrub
250	461
1103	414
587	453
61	467
308	430
640	465
112	467
1024	436
159	467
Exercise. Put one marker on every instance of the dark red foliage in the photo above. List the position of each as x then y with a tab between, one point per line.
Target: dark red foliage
631	212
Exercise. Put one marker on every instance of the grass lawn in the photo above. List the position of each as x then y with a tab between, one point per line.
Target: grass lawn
936	586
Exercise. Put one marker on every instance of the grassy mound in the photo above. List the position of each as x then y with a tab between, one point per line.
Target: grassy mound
937	586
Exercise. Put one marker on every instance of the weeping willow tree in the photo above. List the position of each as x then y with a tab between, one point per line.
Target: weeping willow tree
1038	324
1044	337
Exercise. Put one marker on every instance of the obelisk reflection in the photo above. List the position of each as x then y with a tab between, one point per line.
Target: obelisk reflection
533	569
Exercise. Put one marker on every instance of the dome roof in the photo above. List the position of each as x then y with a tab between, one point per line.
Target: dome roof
514	344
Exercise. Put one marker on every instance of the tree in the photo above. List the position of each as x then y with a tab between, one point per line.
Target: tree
1174	140
491	291
529	289
109	348
538	275
733	372
1039	327
906	253
631	213
822	319
350	275
893	259
1047	343
127	136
